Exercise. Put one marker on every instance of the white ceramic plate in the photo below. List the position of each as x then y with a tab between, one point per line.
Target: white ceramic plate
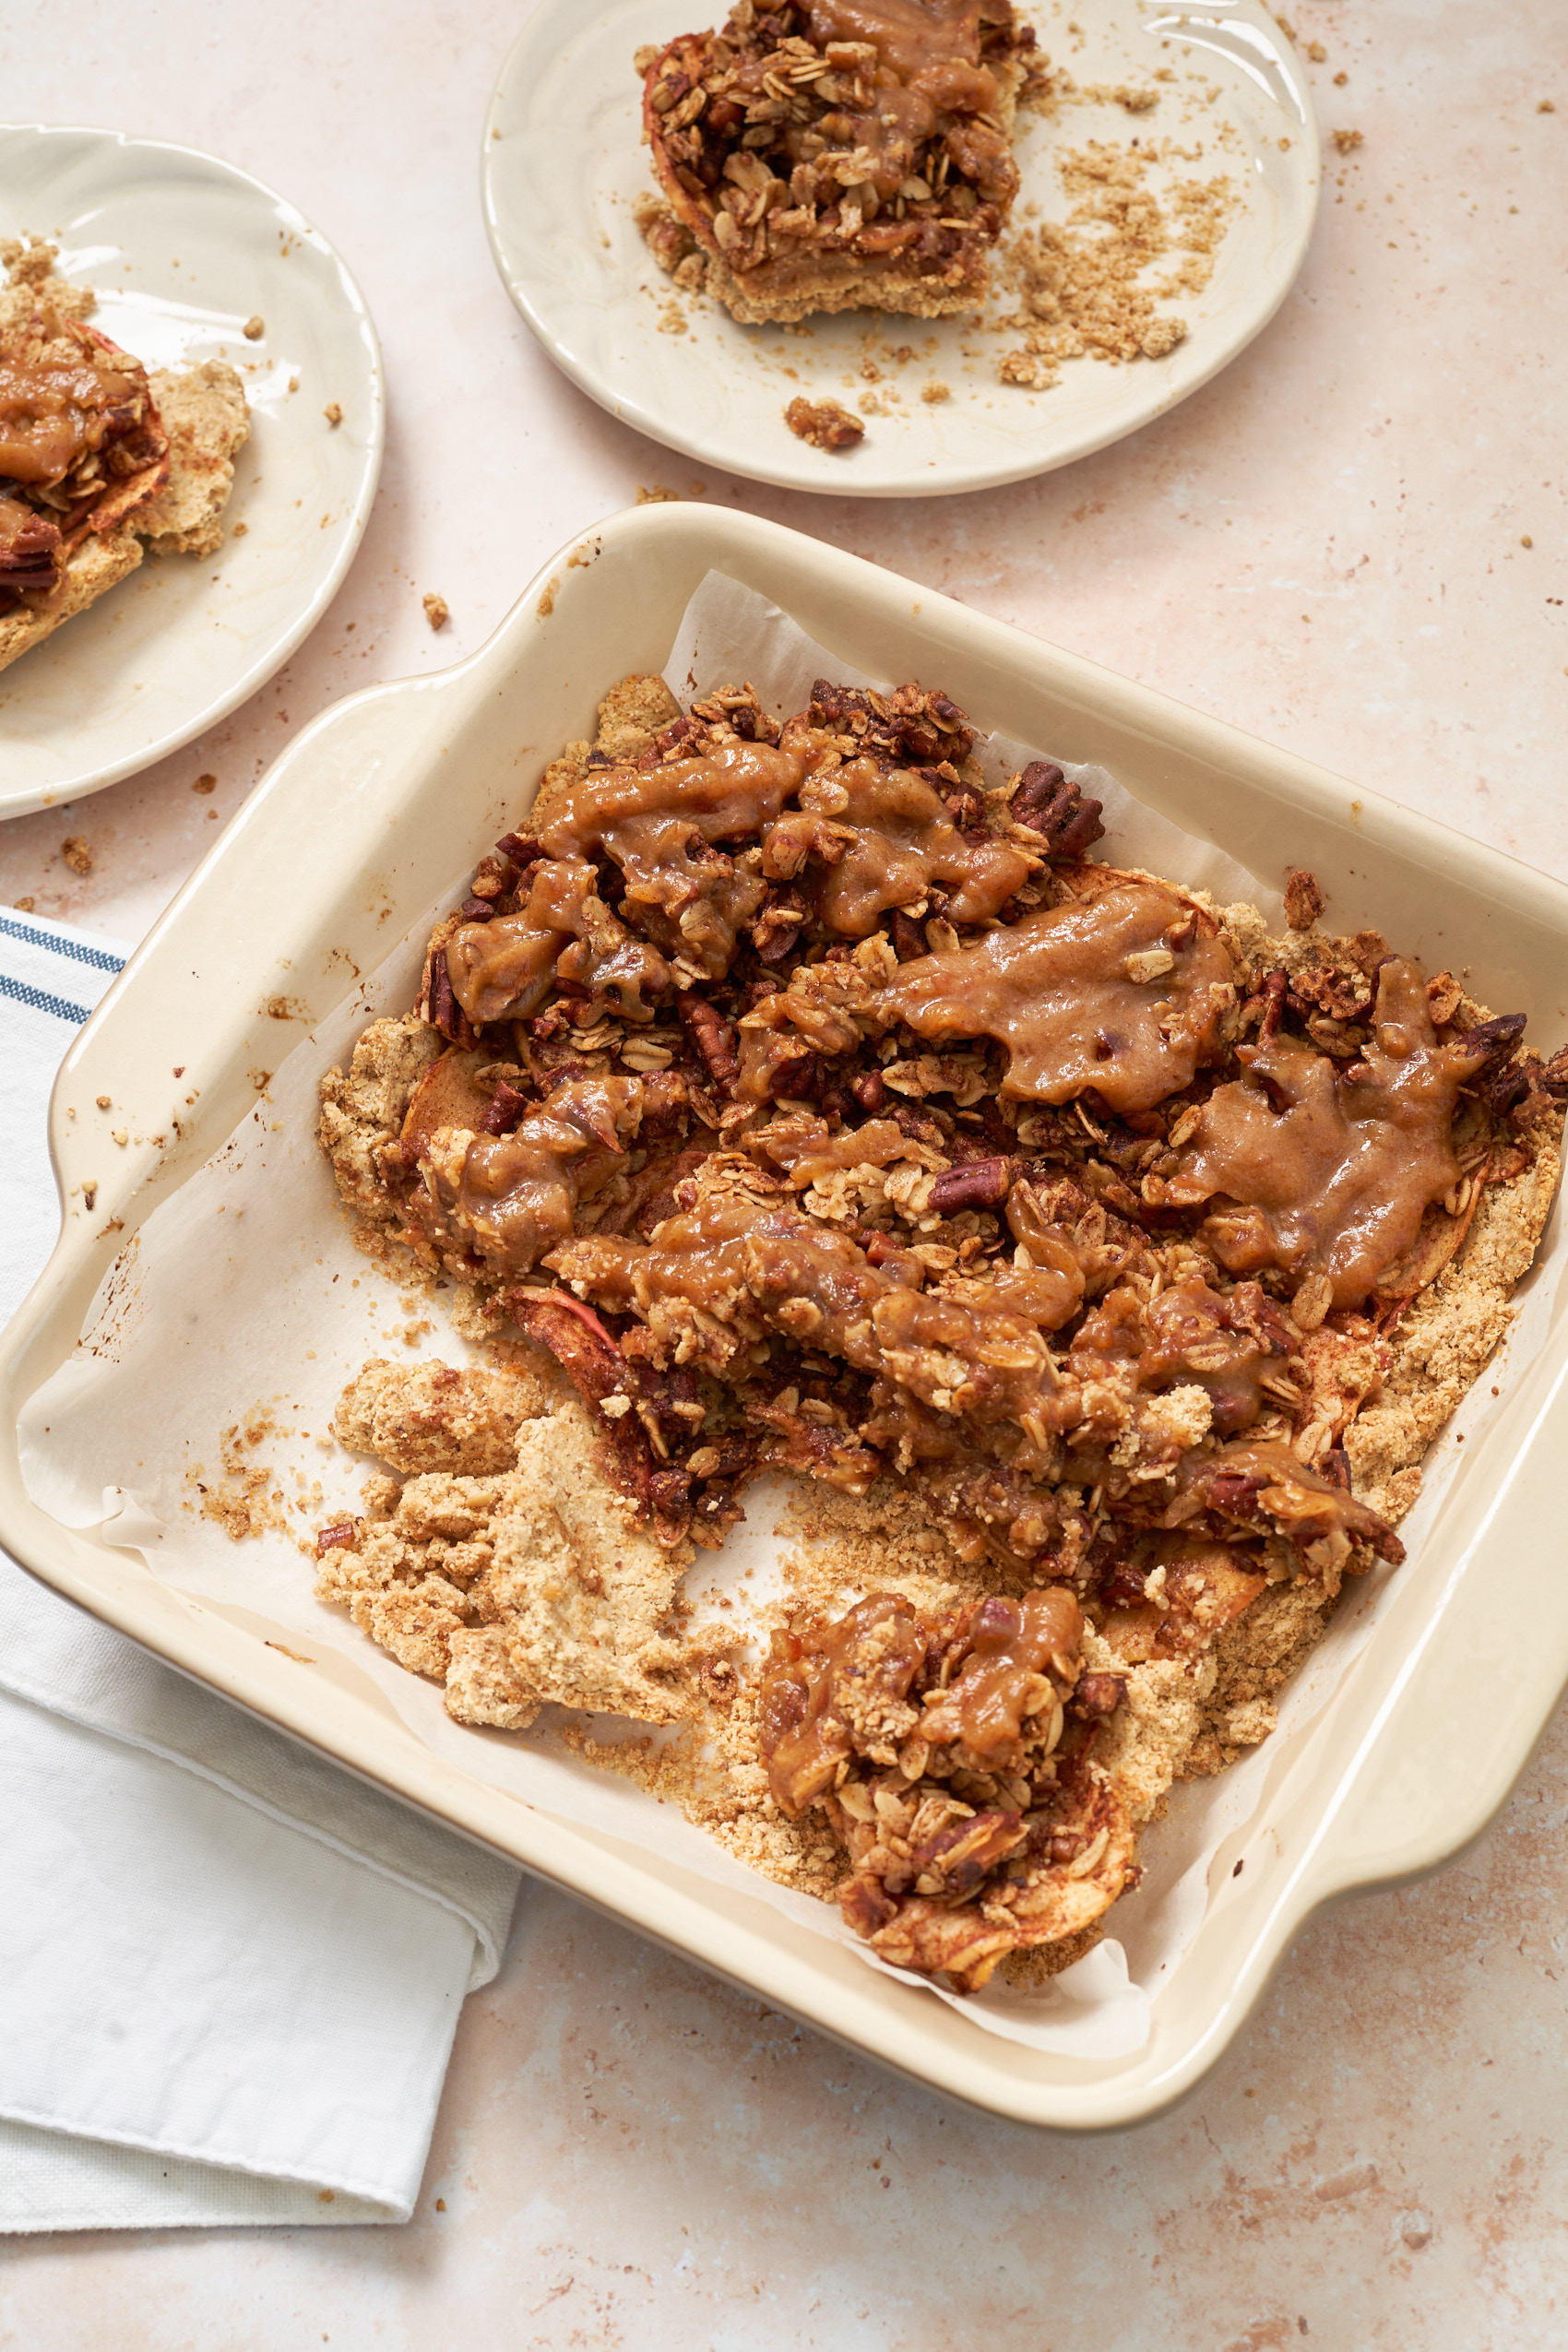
563	167
182	250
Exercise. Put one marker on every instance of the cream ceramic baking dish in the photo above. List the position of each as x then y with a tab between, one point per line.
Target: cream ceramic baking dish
337	849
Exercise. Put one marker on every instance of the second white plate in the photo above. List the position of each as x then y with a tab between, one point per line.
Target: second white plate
182	250
564	165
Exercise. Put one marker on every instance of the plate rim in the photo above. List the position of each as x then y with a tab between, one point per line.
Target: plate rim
282	649
628	409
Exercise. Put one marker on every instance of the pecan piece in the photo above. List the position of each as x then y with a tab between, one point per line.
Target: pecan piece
713	1036
506	1107
978	1183
1049	805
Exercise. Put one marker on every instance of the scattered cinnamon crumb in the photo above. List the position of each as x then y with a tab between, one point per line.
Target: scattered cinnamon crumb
1162	337
1082	284
104	1101
1546	106
1303	899
823	423
239	531
934	392
1346	141
293	384
1340	79
253	331
76	852
657	496
1317	52
546	605
24	905
333	412
208	783
1525	540
437	611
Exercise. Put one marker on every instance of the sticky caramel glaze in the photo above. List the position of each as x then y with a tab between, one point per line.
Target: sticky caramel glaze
929	68
892	838
645	820
506	1199
711	1279
909	36
1056	989
1014	1646
1260	1483
1189	1334
55	411
853	1676
1336	1180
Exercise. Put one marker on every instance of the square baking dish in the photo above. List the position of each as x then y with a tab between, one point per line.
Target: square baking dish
336	853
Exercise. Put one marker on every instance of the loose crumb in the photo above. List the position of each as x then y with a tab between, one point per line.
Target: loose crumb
76	852
253	330
437	611
1303	898
823	423
934	392
1317	52
333	412
1346	141
1082	284
25	906
208	783
1525	540
240	531
657	495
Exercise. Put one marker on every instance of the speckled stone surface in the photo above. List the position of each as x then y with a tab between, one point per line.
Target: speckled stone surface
1327	546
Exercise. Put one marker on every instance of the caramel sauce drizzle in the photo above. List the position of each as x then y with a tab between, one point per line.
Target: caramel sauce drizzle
646	819
54	412
1318	1168
1121	993
507	1199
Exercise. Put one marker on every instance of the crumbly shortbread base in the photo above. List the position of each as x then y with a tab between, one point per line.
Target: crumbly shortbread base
514	1590
208	420
101	562
911	296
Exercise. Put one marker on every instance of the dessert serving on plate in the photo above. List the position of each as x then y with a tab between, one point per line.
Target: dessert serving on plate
840	154
780	1099
99	459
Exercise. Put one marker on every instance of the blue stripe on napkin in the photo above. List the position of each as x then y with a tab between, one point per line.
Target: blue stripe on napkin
39	1001
61	943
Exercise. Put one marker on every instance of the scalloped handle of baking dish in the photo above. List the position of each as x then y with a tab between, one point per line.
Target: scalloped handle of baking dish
178	1066
1435	1761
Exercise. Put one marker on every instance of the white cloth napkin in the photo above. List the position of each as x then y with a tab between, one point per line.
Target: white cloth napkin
232	1973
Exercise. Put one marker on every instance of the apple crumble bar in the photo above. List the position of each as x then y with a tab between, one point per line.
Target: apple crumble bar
97	459
780	1098
840	154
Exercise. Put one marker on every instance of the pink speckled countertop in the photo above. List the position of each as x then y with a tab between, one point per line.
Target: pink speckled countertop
1352	542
